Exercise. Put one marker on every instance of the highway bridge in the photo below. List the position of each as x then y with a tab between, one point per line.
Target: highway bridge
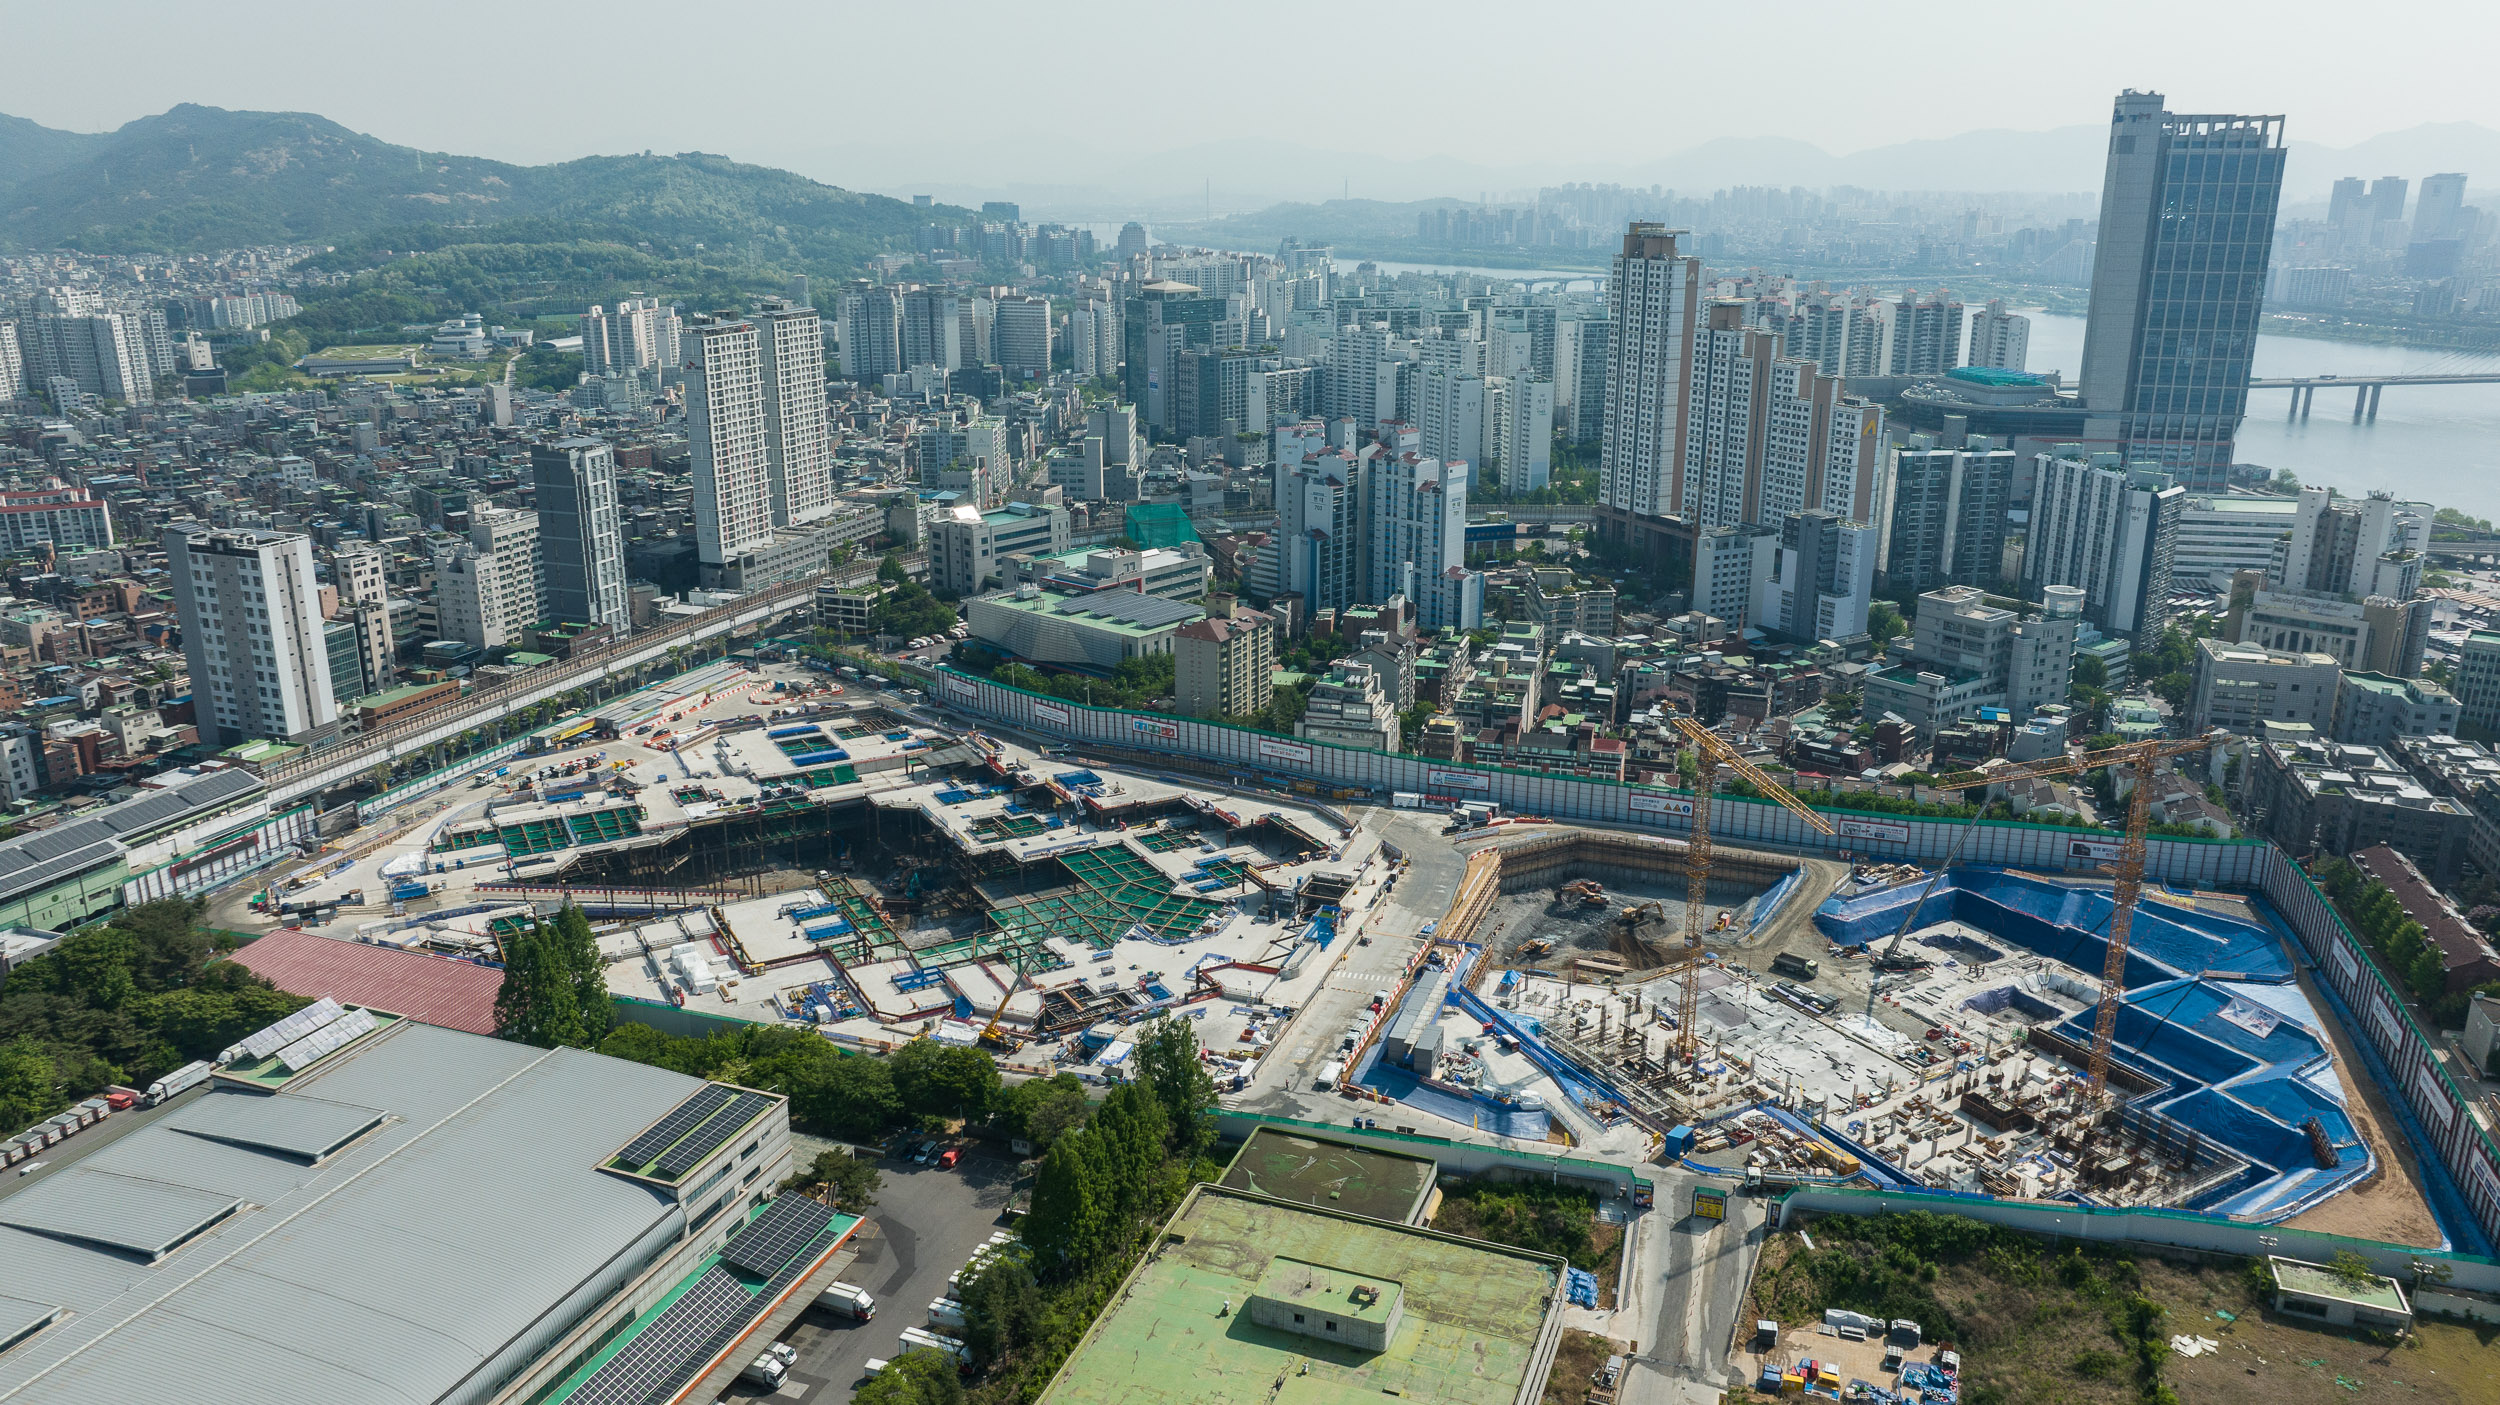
2365	389
308	773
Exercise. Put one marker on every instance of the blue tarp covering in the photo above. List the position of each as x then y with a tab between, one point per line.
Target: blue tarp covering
806	729
2067	922
823	758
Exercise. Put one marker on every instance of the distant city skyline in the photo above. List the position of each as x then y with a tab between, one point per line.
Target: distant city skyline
1597	114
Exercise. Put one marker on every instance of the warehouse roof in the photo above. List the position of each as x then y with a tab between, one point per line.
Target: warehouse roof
441	990
430	1254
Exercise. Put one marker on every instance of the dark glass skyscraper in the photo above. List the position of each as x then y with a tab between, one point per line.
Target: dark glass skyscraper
2178	283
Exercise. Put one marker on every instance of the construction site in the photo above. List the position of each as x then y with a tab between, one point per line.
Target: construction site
1975	1029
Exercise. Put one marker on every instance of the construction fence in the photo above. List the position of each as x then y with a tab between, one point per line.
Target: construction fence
2463	1177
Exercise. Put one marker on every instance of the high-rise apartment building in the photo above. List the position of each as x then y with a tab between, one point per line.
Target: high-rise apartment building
1316	550
1767	436
513	536
798	439
360	570
580	536
480	597
1094	338
1161	320
2178	283
1525	435
639	334
1415	540
725	429
54	515
104	354
933	330
12	362
2354	546
1023	335
2108	528
870	326
251	632
1943	512
1224	665
1654	310
1823	580
1999	340
1925	335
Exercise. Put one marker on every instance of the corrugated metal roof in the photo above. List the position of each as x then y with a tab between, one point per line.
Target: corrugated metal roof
131	1213
403	1268
39	860
300	1126
169	803
440	990
19	1317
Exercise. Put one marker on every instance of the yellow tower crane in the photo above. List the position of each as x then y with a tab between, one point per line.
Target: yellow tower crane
2129	870
1711	751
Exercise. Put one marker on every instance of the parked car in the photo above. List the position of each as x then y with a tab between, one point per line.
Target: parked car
947	1158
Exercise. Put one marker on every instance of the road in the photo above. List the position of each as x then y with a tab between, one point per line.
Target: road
927	1223
1688	1284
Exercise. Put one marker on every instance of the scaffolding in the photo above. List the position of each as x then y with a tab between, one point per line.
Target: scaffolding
1138	888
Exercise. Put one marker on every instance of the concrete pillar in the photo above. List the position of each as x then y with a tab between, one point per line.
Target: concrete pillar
2291	411
2374	394
2360	401
2307	395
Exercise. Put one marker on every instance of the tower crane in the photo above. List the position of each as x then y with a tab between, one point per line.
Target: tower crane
1711	750
2129	869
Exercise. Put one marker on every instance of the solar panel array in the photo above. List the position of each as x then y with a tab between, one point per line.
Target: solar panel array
660	1357
295	1057
292	1028
708	1137
686	1118
771	1238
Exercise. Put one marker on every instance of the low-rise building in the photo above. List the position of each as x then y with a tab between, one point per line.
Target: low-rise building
966	545
2465	954
1090	633
1224	665
2338	798
2320	1294
2374	709
1175	573
2241	685
1349	708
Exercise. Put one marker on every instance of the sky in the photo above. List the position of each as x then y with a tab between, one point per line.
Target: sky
887	95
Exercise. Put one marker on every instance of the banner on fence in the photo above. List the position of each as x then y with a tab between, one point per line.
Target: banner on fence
1169	731
2434	1097
1875	829
2345	965
1294	752
1053	714
963	688
1437	779
2099	849
1643	804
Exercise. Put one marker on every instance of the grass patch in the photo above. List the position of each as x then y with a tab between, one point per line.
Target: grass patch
1546	1218
1576	1361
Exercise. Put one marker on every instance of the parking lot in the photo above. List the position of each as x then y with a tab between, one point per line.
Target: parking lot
927	1222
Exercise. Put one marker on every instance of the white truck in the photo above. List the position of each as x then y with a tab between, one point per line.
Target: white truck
190	1075
848	1300
766	1370
1329	1073
946	1315
922	1339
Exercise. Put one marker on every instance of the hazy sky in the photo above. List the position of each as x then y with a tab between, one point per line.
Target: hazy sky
895	91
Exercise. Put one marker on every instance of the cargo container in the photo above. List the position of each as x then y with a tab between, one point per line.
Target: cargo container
190	1075
922	1339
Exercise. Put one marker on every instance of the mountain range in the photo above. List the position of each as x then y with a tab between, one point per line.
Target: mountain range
203	178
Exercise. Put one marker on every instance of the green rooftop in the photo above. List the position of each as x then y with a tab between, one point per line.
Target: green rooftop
2374	1291
1466	1334
259	751
1359	1180
401	693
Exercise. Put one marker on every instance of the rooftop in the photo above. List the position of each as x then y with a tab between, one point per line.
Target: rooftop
440	990
1467	1335
2315	1281
1358	1180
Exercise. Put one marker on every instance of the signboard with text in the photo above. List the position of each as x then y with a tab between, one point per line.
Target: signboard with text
2100	849
1437	779
1052	713
1643	804
1169	731
1875	829
1294	752
1710	1202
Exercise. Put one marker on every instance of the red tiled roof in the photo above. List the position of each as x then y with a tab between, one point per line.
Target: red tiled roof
440	990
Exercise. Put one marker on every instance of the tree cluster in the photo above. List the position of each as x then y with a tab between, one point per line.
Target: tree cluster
2404	951
124	1003
1142	682
555	987
833	1092
909	610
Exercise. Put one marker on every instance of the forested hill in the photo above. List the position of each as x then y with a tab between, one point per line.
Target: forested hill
198	178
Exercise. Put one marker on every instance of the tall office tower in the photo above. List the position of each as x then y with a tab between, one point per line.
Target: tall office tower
1926	335
1654	304
1132	241
1943	513
2348	205
2108	528
798	439
513	536
1527	456
1415	540
1823	581
251	632
2438	211
1162	320
580	536
2387	201
12	363
1023	323
871	330
1123	447
103	353
361	573
2178	283
733	489
1592	362
976	317
1317	547
1999	340
933	329
640	334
